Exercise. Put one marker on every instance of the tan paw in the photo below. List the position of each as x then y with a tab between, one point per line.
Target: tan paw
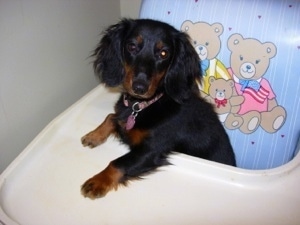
99	185
93	139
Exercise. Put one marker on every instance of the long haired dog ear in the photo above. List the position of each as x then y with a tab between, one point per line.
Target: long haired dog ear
180	81
108	54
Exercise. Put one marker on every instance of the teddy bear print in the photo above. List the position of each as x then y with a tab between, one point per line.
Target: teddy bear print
220	94
206	41
249	61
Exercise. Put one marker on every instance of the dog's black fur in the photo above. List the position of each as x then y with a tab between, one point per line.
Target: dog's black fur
148	58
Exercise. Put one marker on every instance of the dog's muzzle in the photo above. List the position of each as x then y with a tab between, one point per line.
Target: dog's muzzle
140	84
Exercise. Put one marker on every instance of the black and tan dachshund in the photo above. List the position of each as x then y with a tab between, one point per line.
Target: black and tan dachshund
159	110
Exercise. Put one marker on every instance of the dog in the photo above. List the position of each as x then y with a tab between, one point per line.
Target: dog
160	110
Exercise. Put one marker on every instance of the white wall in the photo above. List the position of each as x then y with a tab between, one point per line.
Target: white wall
130	8
44	45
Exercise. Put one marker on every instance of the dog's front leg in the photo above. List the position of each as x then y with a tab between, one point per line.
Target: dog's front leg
103	182
128	167
101	133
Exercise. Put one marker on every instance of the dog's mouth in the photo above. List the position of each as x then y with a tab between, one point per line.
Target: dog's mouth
140	89
142	85
139	86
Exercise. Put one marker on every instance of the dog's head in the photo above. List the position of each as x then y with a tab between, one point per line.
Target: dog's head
147	57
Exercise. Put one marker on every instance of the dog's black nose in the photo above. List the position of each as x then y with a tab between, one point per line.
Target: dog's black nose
140	84
139	87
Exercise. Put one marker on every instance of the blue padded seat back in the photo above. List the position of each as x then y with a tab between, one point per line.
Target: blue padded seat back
250	58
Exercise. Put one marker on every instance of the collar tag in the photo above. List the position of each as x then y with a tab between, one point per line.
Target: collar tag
136	108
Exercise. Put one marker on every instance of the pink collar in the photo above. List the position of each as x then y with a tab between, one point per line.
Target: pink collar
139	106
136	108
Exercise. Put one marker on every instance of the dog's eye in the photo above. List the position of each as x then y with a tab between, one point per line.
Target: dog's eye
163	54
131	47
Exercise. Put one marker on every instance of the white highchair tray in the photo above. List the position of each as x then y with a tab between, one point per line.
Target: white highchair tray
42	185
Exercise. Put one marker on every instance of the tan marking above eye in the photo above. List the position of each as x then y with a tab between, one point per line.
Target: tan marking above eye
139	39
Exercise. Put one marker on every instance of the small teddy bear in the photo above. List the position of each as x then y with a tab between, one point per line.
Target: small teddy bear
249	61
206	41
220	94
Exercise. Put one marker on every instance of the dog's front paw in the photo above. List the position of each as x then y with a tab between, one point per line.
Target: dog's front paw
100	184
95	188
93	139
101	133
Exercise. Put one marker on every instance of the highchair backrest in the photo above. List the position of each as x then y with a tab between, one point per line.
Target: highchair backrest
250	58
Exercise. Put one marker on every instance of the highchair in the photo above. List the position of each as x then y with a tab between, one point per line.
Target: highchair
253	44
